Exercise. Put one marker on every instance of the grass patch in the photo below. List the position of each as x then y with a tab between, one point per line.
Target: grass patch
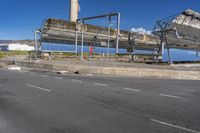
12	53
69	54
1	54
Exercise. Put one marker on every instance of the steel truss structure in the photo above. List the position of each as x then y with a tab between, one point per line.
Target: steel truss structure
181	29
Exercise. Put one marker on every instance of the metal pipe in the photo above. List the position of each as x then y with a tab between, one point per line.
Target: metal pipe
76	41
118	32
36	44
197	53
109	26
82	44
100	16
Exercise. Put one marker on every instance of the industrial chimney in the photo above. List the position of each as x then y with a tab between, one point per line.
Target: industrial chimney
74	9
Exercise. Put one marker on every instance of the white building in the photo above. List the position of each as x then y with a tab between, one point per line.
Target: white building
16	47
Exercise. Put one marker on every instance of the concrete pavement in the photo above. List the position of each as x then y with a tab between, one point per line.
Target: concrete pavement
33	102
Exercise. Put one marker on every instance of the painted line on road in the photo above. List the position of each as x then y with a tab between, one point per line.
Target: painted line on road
36	87
170	96
174	126
77	81
60	78
99	84
136	90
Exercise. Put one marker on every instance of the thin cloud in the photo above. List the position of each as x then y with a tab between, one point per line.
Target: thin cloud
141	30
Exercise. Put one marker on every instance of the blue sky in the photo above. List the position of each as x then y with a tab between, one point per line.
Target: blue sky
20	17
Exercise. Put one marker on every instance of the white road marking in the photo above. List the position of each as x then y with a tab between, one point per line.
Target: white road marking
60	78
36	87
77	81
44	76
132	89
99	84
170	96
174	126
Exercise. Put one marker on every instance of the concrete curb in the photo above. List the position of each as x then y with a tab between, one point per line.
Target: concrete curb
113	71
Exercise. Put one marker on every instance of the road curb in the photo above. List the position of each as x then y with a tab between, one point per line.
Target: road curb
112	71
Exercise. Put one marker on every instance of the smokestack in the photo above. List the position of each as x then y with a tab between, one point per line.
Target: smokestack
74	9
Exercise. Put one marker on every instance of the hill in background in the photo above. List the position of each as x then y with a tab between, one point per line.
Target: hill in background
28	42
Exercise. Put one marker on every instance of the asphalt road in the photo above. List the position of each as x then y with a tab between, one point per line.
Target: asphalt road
33	102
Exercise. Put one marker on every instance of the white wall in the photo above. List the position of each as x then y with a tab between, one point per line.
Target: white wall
19	47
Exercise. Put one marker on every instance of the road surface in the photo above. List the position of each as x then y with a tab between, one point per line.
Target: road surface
35	102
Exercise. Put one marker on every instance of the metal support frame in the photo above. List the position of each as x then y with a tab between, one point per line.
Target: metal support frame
184	31
36	44
108	51
168	50
82	21
82	40
132	43
162	34
197	52
161	49
76	40
36	32
118	32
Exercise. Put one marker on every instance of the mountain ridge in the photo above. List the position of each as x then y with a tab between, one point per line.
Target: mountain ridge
28	42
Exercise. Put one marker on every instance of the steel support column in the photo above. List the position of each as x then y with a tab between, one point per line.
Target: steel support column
36	44
161	48
108	50
197	53
76	41
168	50
82	39
118	32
